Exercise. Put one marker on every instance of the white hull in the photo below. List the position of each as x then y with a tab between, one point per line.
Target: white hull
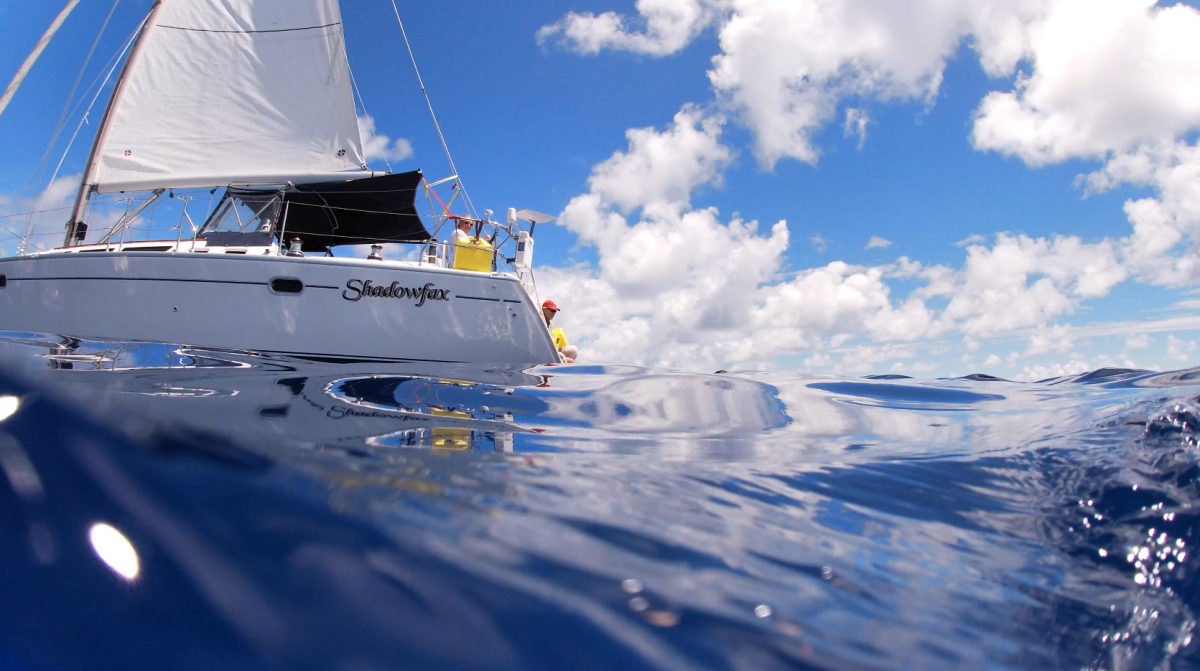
227	301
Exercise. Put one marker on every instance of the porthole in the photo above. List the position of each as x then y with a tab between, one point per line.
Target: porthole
288	286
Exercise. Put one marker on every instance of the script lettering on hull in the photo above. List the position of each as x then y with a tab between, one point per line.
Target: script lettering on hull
359	289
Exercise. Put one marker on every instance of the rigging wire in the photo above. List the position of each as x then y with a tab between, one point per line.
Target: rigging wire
25	214
445	148
366	115
111	67
62	118
67	110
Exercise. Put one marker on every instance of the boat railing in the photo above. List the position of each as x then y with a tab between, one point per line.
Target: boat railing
485	253
432	253
453	255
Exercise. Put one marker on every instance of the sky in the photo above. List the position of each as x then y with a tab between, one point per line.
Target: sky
845	187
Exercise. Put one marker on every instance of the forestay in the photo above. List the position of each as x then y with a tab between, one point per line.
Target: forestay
232	91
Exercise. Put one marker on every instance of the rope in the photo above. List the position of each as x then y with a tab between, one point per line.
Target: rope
445	147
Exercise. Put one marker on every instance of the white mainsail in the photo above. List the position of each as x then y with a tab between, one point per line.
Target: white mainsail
231	91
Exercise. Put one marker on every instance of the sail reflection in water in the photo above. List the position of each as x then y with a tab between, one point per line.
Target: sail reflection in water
304	514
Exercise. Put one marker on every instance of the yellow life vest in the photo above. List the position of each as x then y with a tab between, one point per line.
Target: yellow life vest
560	340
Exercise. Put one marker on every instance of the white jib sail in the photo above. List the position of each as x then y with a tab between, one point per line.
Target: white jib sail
232	91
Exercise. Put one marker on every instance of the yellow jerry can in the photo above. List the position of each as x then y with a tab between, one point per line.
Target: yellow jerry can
446	438
473	254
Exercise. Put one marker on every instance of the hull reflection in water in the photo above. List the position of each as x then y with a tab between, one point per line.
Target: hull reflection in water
275	397
286	513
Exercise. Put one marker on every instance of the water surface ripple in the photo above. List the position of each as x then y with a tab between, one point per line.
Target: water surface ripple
286	513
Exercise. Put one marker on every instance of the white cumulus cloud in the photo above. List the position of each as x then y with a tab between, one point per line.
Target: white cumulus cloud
1055	338
819	243
1164	247
785	65
679	286
1178	349
1138	341
1045	372
379	146
663	167
1107	75
1022	281
856	125
1112	81
666	27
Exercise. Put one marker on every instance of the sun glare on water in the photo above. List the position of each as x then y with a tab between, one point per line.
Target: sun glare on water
114	550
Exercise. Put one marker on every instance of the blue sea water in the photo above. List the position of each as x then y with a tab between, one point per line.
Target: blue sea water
282	513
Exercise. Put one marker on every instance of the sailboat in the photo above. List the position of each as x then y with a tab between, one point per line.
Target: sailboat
255	97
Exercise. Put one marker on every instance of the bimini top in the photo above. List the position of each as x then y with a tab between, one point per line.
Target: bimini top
327	214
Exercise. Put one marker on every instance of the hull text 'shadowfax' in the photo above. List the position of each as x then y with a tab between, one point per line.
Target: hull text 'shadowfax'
420	294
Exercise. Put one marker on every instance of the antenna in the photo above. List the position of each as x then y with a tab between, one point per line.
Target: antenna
535	218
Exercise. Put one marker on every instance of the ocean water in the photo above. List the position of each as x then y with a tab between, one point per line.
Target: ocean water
171	507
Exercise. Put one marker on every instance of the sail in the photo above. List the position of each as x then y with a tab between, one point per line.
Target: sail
231	91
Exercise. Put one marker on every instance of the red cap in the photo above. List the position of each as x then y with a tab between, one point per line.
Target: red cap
551	305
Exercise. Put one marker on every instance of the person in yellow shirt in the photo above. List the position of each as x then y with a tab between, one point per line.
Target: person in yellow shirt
566	351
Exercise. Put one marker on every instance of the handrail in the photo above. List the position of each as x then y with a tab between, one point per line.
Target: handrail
124	221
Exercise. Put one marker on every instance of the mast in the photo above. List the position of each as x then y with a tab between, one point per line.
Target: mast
81	200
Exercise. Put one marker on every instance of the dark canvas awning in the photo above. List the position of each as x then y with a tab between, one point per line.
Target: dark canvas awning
361	211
